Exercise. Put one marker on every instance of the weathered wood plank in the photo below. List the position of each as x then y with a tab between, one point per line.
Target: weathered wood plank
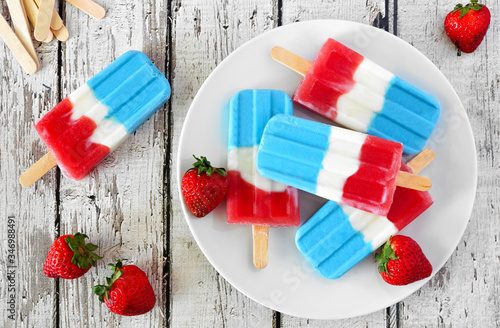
120	204
364	12
23	100
464	293
204	33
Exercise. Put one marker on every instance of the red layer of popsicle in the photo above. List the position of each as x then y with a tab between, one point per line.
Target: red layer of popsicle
331	76
69	140
408	204
249	205
375	180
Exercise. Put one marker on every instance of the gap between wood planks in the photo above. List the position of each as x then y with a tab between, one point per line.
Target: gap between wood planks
167	170
57	223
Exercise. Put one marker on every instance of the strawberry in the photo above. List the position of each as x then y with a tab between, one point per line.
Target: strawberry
467	25
402	261
69	257
204	187
128	291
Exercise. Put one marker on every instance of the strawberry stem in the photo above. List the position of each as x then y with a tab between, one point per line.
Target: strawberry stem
102	290
473	5
83	255
203	165
386	254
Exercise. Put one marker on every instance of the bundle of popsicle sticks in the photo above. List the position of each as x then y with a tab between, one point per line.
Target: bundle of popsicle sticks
46	23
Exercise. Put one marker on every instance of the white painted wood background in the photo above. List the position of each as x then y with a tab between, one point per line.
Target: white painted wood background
130	206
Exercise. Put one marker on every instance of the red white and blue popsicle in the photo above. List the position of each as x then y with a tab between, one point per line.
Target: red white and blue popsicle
348	88
251	198
338	164
338	237
96	118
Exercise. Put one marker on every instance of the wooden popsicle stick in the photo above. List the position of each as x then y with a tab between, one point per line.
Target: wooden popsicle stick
90	7
291	60
56	22
260	239
43	19
37	170
49	38
22	27
413	181
32	12
18	50
419	162
61	34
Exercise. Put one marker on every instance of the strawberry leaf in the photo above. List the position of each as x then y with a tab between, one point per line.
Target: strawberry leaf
102	290
203	165
91	247
83	255
99	290
473	5
387	254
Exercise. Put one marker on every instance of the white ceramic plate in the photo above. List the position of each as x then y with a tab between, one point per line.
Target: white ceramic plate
289	284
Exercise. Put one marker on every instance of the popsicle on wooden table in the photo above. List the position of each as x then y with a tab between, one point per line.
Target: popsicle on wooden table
338	236
96	118
334	163
348	88
251	198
